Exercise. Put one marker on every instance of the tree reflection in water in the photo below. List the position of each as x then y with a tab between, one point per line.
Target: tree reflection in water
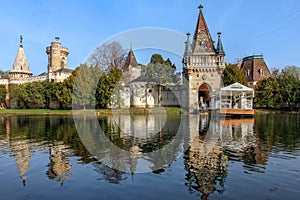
210	145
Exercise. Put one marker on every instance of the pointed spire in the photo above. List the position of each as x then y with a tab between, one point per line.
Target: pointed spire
188	48
20	63
202	42
130	60
220	49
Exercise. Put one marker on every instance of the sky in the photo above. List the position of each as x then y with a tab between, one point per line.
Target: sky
252	27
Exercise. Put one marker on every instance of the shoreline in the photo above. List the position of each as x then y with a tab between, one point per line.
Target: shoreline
99	112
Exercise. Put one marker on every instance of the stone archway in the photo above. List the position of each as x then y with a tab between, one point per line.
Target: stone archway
204	95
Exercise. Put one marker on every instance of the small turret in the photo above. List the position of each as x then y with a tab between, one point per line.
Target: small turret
188	47
220	49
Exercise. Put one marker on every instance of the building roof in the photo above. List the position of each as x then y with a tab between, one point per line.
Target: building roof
202	41
130	61
20	64
255	68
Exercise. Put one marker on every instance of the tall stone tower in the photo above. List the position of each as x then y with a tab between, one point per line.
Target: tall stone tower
20	70
57	56
203	64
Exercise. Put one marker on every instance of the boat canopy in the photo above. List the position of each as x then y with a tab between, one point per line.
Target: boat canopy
235	96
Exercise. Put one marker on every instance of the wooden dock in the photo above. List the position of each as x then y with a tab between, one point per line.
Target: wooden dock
230	112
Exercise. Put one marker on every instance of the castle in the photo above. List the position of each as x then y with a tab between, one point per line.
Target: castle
203	64
56	71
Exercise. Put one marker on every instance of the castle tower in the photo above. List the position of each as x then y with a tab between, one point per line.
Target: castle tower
203	64
57	56
255	69
20	70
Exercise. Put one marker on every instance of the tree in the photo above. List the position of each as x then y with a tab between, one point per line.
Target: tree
65	90
292	70
109	85
2	96
33	95
267	93
85	86
159	72
107	56
232	74
157	59
289	83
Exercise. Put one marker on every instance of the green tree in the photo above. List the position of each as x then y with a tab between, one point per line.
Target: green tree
267	93
85	86
14	95
33	95
157	59
65	90
289	84
159	72
109	88
232	73
2	96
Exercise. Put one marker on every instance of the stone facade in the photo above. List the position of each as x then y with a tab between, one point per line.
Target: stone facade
255	69
57	61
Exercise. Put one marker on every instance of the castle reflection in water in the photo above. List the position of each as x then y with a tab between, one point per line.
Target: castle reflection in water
207	144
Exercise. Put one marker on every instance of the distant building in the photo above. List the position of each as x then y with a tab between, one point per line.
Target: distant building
57	66
255	69
20	69
57	61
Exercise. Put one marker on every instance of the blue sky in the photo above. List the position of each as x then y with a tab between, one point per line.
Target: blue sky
248	27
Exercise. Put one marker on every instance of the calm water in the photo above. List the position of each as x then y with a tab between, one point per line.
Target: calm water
149	157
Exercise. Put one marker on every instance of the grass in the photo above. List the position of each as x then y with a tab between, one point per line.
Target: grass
99	112
104	112
35	112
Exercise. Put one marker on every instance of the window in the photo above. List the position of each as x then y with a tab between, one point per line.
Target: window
261	72
247	73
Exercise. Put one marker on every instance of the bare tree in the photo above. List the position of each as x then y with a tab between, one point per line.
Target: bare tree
107	56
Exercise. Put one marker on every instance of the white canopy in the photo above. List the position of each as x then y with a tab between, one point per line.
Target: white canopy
237	87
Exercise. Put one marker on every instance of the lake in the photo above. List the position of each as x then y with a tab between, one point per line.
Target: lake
153	156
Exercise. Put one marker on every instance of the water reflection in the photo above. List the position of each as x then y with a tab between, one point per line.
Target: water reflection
59	165
218	141
208	145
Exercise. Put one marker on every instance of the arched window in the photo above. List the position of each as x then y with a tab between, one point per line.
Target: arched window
247	72
261	72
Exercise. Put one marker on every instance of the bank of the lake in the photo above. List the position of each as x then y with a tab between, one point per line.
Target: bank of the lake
105	112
